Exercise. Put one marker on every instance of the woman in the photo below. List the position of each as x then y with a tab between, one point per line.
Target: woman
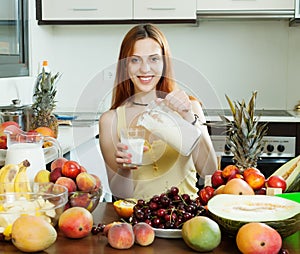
144	74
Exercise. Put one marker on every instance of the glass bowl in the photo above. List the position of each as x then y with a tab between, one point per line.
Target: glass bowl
43	199
87	200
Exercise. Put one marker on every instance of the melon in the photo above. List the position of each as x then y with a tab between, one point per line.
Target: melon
290	172
233	211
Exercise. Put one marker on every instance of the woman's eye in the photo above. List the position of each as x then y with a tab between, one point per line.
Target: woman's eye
155	59
134	60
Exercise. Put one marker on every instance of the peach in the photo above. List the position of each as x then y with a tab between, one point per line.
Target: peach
144	234
55	174
85	181
75	222
58	163
108	226
121	236
247	171
256	180
229	170
98	182
258	238
67	182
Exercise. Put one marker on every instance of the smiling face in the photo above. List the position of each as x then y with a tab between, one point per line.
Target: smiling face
145	66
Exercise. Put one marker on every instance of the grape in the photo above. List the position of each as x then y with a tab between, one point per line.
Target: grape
167	210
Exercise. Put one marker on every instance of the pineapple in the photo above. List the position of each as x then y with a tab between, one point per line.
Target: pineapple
44	102
244	133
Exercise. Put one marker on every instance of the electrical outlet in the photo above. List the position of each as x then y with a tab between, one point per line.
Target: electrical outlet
108	74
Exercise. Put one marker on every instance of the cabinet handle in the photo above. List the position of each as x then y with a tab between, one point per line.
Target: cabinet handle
85	9
162	8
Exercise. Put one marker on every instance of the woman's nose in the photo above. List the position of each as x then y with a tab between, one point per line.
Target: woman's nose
145	67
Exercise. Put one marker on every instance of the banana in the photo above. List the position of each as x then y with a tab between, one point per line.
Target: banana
7	177
22	183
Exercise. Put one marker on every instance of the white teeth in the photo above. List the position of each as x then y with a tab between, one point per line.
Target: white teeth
145	78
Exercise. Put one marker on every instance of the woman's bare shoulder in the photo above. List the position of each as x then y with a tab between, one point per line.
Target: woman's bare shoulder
107	117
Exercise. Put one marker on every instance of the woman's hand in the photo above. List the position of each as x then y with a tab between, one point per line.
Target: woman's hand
180	102
123	158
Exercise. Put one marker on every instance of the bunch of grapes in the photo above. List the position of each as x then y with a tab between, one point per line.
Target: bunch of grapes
168	210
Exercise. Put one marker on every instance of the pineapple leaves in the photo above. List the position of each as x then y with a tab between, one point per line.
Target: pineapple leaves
244	133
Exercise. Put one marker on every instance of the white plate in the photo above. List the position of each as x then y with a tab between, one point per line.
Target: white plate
167	233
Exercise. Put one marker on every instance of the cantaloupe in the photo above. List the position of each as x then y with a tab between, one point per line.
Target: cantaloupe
233	211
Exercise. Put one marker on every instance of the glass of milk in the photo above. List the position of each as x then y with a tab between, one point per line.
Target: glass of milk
134	138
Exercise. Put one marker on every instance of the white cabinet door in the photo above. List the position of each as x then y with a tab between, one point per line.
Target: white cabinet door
164	9
86	9
251	5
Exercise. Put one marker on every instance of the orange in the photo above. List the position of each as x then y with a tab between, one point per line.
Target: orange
45	131
124	208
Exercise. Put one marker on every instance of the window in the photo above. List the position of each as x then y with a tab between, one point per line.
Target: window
14	38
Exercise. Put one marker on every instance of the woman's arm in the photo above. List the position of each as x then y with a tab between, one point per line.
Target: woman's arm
119	178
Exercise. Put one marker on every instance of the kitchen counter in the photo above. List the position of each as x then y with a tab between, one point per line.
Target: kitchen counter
105	214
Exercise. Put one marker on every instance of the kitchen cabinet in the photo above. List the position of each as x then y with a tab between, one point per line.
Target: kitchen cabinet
85	9
114	11
246	8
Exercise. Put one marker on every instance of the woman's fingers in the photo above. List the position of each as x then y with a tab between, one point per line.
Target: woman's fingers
178	101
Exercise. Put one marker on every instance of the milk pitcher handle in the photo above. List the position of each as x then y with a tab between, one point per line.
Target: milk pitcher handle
56	144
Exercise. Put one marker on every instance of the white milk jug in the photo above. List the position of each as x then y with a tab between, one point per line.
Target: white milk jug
28	146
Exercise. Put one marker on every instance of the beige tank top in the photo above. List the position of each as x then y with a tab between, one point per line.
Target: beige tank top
163	167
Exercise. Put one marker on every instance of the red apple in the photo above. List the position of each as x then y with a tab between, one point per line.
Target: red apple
276	182
217	179
71	169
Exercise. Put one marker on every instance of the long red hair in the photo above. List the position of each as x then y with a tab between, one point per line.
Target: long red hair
124	88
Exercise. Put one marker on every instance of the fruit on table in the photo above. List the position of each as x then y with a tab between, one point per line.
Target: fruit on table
45	131
233	211
201	234
3	138
85	181
42	176
230	170
58	163
124	208
276	182
238	187
12	177
67	182
245	133
290	172
121	236
206	194
169	210
144	234
258	238
75	222
71	169
55	174
250	170
32	234
217	179
255	179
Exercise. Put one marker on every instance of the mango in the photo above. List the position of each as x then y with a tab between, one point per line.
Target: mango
201	234
31	234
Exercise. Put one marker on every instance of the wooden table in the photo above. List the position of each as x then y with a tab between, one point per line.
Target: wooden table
94	244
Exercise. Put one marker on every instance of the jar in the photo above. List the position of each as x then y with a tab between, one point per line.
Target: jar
169	126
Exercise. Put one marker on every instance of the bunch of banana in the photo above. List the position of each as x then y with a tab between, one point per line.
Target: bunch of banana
13	178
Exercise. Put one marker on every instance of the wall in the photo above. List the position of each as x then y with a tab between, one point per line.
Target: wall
232	57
